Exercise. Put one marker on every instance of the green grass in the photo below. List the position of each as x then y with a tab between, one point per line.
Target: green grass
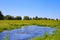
14	24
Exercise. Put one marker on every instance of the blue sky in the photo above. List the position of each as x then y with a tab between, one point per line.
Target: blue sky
40	8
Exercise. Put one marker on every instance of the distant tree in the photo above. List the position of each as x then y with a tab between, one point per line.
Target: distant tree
48	19
1	16
8	17
51	19
35	18
18	18
30	18
40	18
57	19
44	18
26	18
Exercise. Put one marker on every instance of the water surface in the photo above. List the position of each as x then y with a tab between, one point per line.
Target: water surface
25	33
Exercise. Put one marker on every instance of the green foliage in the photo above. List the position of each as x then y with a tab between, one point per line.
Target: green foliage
18	18
1	16
8	17
26	18
35	18
36	38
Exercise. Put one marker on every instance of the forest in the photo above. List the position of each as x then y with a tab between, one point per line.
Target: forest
9	17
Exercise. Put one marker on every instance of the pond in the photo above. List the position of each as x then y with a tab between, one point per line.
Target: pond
25	33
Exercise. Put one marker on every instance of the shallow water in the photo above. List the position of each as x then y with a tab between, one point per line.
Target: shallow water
25	33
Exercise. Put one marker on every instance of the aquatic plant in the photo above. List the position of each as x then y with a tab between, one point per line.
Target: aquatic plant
6	38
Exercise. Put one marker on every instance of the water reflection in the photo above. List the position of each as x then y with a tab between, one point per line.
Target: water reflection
26	33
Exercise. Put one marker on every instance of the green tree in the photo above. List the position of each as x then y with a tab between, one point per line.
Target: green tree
57	19
35	18
30	18
52	19
40	18
18	18
44	18
1	16
49	19
8	17
26	18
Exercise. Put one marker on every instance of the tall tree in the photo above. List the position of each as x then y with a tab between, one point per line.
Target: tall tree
26	18
30	18
57	19
9	17
18	18
1	16
44	18
35	18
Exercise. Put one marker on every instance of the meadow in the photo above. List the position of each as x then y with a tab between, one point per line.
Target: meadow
15	24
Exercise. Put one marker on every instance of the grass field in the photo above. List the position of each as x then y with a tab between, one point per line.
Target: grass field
14	24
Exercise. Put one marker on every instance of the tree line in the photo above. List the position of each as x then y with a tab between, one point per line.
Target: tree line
9	17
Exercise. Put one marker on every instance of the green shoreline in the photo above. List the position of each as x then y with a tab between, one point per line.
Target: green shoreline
15	24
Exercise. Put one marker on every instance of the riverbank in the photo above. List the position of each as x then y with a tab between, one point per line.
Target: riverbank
54	36
15	24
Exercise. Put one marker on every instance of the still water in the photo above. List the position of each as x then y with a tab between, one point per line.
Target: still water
25	33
